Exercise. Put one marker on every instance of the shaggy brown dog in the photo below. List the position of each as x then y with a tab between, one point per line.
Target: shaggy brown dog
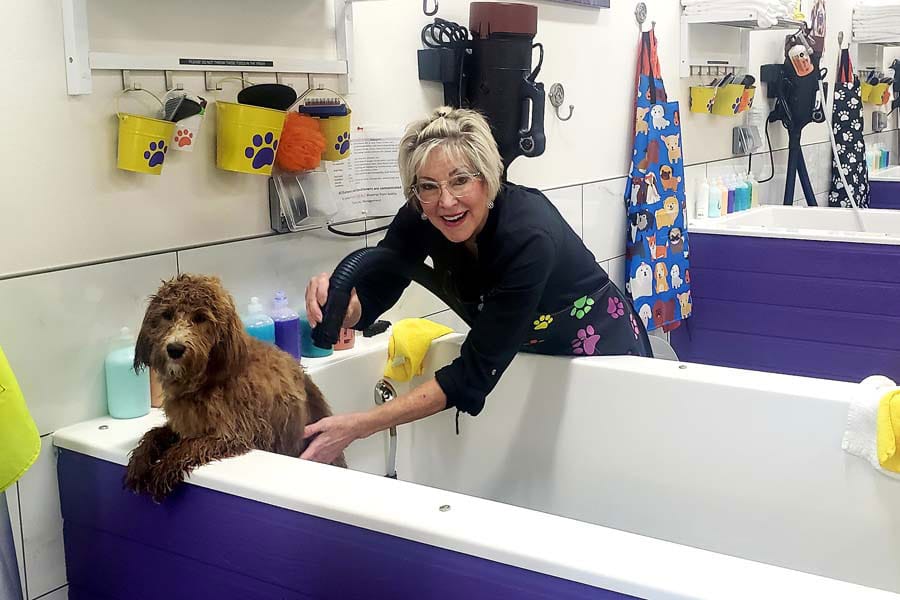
225	392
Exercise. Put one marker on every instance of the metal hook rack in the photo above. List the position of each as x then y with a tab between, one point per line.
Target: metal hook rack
557	97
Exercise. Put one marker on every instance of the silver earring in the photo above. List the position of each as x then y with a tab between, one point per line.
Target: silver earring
490	205
423	217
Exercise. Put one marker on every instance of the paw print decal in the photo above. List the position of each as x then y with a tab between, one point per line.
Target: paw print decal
262	151
581	307
343	143
156	153
543	322
586	342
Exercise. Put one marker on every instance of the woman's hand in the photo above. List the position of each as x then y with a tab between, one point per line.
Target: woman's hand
317	295
333	435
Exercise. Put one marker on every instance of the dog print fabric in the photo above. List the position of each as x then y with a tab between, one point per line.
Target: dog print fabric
847	124
657	246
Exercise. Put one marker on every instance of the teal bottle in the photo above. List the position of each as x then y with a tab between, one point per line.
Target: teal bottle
308	348
257	323
127	392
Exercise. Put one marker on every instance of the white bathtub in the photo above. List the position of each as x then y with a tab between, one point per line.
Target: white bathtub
807	223
888	174
652	478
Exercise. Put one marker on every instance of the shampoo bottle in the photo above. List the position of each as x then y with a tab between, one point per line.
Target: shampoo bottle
258	323
287	325
127	392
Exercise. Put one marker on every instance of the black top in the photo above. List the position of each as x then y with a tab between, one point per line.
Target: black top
529	262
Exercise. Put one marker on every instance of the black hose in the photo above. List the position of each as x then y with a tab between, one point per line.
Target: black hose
370	261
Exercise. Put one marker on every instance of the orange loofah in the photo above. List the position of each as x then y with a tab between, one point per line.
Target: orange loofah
301	145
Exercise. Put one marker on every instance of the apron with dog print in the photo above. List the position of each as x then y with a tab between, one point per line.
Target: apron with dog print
657	269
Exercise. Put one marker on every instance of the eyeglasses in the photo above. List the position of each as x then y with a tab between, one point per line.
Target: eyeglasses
428	191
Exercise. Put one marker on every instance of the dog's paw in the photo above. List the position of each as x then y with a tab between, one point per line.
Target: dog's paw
136	475
161	481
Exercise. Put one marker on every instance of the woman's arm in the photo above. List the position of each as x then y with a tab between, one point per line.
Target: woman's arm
334	434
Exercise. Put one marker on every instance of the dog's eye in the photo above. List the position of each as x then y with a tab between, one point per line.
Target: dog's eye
199	318
168	314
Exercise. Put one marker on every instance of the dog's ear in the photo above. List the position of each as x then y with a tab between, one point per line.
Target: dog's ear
144	347
230	349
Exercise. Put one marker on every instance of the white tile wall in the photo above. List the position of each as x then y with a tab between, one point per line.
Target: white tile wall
604	218
262	266
57	328
568	201
416	301
615	268
42	524
12	501
71	313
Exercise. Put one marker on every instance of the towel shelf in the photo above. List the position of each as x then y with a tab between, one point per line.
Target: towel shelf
81	60
727	52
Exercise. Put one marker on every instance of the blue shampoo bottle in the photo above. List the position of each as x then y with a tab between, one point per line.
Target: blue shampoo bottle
257	323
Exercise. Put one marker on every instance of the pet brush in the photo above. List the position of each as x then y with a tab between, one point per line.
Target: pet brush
323	107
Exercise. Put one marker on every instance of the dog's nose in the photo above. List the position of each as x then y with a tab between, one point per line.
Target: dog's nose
175	350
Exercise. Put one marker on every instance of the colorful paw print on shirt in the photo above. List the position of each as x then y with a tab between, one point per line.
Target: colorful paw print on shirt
543	322
581	307
634	327
586	342
616	308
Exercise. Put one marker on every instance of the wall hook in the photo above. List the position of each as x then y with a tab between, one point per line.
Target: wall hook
841	40
425	8
557	97
640	14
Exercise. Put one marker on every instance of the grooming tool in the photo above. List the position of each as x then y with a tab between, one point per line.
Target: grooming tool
187	108
170	108
748	81
323	107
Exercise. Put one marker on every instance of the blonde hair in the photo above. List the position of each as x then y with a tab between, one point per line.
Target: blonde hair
464	134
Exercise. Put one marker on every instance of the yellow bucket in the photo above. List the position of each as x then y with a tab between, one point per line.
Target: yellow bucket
143	141
247	137
335	129
880	94
337	136
728	100
702	98
865	90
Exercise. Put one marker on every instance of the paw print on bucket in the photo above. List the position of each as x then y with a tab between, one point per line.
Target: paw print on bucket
156	153
343	143
262	150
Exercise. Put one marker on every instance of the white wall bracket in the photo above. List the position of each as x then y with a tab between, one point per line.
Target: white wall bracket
721	53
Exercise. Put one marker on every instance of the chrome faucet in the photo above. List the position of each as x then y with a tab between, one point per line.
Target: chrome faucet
385	392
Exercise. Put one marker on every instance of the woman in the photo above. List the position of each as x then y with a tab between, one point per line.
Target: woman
526	278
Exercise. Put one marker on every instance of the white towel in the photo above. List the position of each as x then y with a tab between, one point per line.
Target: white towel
860	439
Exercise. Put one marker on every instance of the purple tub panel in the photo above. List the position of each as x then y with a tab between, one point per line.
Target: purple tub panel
205	544
819	309
884	194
